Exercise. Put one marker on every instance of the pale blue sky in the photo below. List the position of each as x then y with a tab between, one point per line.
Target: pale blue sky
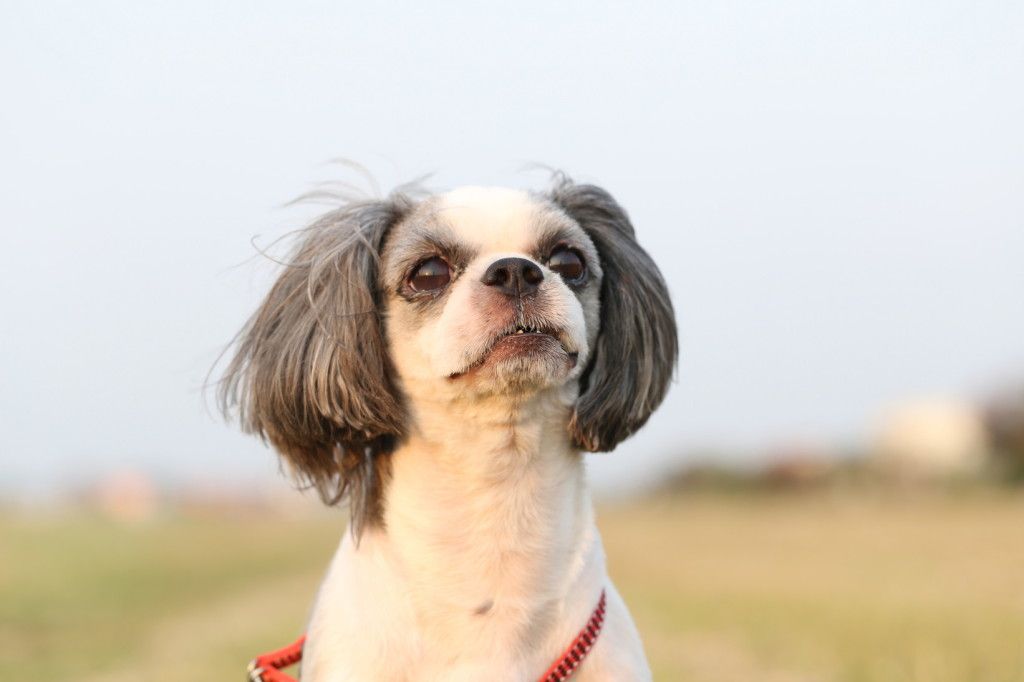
835	192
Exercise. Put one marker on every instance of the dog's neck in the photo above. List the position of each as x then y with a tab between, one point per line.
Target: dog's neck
487	512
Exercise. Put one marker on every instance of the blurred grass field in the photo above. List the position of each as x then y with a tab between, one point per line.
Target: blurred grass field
780	588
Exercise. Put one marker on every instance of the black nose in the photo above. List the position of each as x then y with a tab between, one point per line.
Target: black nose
513	276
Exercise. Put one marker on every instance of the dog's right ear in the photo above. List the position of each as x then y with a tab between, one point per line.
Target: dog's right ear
311	372
635	354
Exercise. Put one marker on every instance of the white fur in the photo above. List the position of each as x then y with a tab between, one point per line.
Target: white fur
488	562
498	222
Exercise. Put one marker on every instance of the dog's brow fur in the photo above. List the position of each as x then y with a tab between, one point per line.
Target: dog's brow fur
413	241
555	229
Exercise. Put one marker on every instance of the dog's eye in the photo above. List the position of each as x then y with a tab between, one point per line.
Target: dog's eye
569	264
430	275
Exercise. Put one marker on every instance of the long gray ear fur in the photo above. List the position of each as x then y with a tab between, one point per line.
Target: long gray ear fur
310	371
636	351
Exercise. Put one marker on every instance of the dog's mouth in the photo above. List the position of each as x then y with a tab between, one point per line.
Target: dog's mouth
528	336
521	329
520	339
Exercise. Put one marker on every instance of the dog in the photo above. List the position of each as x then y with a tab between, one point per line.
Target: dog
441	362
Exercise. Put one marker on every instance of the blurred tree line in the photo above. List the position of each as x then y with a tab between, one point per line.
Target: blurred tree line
1005	421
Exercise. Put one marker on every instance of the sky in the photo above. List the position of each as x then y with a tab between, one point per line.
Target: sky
834	192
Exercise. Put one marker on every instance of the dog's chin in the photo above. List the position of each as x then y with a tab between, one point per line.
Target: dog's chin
520	364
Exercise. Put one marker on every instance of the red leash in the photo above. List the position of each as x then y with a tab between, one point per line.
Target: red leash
563	668
267	668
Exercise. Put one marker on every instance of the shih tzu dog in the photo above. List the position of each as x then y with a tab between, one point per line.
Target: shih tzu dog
442	362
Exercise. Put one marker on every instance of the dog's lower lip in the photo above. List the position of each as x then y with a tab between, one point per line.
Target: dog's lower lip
521	331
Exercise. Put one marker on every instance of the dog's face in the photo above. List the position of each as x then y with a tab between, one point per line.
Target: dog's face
489	293
477	294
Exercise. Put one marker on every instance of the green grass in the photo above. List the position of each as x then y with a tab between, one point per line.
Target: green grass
723	587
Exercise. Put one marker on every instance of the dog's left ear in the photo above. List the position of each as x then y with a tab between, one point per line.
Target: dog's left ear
311	373
636	348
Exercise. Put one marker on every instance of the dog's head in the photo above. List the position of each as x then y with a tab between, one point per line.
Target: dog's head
474	295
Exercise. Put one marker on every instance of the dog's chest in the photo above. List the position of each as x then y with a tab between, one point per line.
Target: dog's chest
371	622
466	579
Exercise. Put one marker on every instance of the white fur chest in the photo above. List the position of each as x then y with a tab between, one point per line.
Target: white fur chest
474	576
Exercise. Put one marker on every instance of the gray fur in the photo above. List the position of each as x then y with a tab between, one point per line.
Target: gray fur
310	371
636	348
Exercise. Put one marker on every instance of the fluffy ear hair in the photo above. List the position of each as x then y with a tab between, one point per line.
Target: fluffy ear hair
636	348
311	372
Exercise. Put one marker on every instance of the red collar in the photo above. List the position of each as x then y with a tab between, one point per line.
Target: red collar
267	668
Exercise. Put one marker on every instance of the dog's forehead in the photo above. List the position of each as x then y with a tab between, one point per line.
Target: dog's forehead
493	218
